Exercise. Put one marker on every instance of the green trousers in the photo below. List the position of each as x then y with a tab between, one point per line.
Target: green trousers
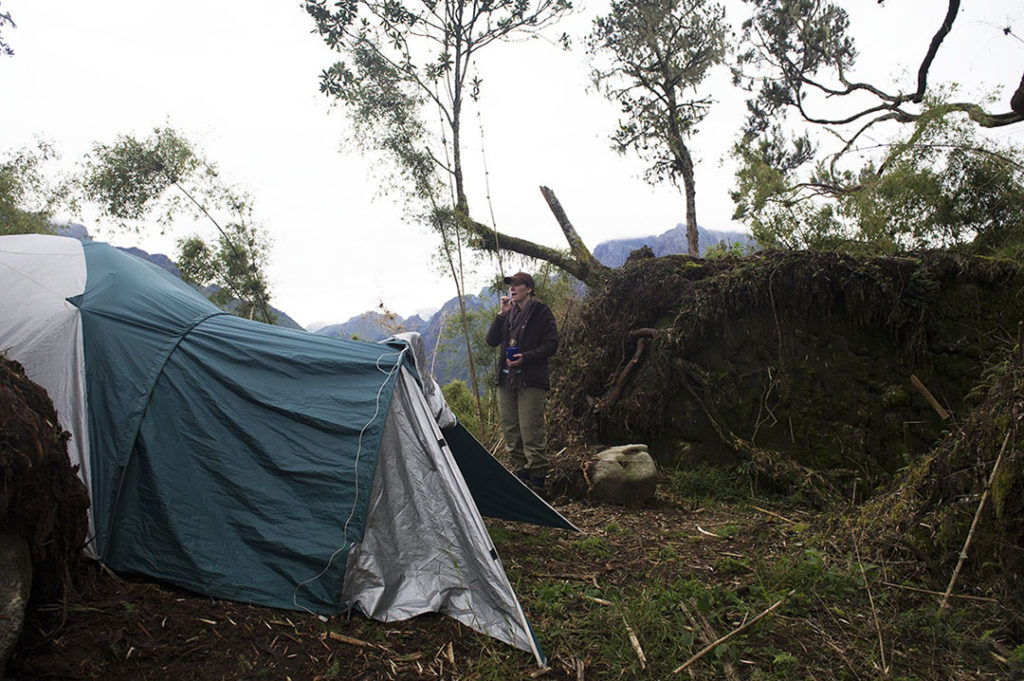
522	422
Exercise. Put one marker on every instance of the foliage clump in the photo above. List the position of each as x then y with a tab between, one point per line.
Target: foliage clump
928	512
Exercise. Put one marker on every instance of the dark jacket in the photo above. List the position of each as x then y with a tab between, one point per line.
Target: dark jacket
538	340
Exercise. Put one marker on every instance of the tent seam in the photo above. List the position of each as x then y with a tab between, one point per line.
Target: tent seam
137	426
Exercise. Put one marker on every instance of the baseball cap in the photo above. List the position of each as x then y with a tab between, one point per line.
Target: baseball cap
520	278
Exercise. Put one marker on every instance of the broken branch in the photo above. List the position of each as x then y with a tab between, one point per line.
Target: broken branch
711	646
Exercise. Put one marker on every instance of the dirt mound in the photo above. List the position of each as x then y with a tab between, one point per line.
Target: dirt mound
41	497
800	362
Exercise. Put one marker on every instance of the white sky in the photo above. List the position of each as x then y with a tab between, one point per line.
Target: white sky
240	77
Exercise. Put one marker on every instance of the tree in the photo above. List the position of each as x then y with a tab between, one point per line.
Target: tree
232	268
656	50
163	176
5	20
411	60
804	188
938	186
27	199
798	56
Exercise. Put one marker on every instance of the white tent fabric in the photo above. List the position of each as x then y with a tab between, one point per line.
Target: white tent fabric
431	390
50	348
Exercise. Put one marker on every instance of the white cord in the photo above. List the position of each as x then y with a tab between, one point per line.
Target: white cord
355	501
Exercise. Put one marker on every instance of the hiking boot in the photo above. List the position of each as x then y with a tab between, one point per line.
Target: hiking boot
535	483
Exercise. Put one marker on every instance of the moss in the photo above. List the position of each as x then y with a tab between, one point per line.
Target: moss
1004	485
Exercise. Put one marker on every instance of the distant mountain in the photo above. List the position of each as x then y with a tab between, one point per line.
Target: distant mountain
450	361
80	232
372	326
158	259
673	242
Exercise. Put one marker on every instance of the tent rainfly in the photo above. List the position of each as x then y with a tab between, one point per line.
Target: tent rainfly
256	463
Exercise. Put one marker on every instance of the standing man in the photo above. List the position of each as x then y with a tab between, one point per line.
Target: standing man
526	331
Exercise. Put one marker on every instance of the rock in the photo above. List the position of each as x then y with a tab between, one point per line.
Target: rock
15	585
623	475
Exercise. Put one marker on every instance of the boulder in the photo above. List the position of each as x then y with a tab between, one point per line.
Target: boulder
623	475
15	586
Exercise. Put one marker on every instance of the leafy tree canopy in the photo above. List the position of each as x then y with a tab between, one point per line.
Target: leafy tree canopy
163	176
26	197
940	185
810	176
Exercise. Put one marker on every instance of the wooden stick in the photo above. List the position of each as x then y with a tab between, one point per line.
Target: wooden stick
334	636
939	593
711	646
943	414
612	396
774	515
635	642
974	524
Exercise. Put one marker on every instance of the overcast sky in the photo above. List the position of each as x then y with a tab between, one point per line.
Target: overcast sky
240	78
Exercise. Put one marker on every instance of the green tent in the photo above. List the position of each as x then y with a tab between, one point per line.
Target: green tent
257	463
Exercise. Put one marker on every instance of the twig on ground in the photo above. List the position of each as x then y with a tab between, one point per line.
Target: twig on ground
334	636
874	612
773	514
714	644
578	578
974	524
905	587
635	642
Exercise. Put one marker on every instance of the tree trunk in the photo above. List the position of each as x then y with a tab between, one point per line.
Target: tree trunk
692	240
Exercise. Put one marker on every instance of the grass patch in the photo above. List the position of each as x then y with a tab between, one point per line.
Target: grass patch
705	485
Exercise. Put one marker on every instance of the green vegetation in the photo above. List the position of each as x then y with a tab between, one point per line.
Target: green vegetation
164	176
704	484
460	399
871	166
940	185
823	607
27	198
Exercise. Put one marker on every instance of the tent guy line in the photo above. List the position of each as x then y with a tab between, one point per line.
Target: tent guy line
355	500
